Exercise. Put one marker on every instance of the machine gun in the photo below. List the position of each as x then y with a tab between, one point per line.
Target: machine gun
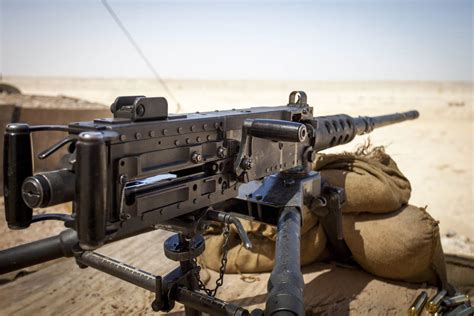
145	169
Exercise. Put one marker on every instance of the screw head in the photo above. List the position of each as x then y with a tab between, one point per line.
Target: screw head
32	192
196	157
246	164
140	110
221	152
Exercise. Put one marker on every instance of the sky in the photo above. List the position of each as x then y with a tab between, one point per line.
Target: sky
318	40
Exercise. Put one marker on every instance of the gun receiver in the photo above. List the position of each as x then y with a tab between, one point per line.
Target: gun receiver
145	169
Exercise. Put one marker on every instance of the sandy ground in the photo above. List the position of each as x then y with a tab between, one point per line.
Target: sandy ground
435	151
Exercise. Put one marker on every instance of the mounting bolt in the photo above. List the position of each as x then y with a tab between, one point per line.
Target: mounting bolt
196	157
140	110
246	163
221	152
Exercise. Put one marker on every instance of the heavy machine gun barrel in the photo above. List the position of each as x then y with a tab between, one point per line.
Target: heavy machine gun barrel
334	130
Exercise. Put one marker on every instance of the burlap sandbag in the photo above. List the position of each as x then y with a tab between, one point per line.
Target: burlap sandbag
260	257
401	245
386	237
372	180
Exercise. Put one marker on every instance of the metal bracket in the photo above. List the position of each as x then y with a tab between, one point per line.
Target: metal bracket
140	108
285	189
273	130
329	208
244	161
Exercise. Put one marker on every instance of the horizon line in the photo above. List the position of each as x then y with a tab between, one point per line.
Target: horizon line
3	77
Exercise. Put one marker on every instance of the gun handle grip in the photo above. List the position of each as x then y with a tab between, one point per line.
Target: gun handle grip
17	166
91	189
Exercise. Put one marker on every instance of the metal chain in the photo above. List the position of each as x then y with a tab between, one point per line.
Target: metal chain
220	280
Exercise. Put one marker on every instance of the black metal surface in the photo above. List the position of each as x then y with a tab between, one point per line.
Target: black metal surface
49	188
285	286
17	166
331	219
277	130
140	108
385	120
118	269
334	130
55	147
38	251
284	189
91	188
173	248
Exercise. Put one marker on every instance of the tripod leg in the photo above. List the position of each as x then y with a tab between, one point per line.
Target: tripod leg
285	287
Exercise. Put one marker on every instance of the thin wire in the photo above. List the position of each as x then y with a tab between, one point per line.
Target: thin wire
139	51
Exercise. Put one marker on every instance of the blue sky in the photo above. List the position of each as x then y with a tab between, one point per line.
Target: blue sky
321	40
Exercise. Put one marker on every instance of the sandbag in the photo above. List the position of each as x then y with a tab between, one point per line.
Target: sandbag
372	180
386	237
401	245
262	236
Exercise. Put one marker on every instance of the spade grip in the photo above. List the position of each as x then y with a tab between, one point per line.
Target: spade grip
18	165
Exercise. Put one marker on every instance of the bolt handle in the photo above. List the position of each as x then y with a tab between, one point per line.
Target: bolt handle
274	130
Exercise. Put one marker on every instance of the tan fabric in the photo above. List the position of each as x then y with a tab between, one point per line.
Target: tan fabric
260	258
372	180
402	245
386	237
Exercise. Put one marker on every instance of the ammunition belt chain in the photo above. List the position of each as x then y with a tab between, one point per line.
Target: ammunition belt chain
220	280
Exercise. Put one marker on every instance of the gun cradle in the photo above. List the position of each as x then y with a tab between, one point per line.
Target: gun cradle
145	169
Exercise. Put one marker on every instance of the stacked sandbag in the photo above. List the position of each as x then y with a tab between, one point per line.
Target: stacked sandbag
401	245
386	236
371	179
